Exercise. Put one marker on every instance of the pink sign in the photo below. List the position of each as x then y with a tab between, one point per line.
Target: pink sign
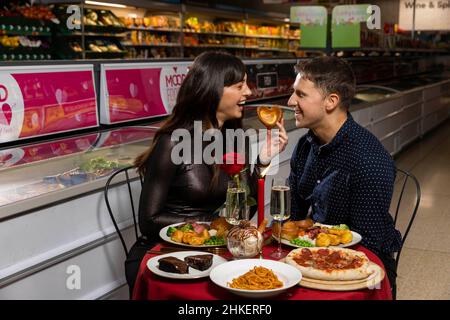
40	103
141	91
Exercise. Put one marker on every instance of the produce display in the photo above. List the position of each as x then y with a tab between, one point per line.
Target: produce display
102	45
152	22
159	35
36	12
25	32
101	18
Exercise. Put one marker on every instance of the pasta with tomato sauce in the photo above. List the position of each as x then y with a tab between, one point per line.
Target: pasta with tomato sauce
259	278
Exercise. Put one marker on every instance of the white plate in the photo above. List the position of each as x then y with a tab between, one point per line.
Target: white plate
163	235
153	263
356	239
224	273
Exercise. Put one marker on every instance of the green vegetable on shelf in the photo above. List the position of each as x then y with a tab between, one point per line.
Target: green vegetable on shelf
301	243
214	240
170	231
99	163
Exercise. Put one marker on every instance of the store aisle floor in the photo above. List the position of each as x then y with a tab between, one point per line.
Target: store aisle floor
425	261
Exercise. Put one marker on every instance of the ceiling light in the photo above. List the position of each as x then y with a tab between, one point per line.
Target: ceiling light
106	4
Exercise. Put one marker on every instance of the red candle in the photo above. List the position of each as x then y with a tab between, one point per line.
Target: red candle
260	200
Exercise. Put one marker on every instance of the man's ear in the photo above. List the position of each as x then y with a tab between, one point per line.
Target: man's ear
332	101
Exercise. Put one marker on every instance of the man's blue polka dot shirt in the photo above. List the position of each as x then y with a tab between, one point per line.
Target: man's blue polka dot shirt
349	180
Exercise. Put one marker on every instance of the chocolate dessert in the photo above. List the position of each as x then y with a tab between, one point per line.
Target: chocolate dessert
200	262
173	265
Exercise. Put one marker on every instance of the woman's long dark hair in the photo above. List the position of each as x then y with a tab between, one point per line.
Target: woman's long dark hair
199	97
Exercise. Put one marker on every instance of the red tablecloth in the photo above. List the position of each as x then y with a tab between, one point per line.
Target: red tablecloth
149	286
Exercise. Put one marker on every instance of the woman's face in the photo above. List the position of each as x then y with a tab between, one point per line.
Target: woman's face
232	101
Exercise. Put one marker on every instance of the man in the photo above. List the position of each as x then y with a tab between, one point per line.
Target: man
340	172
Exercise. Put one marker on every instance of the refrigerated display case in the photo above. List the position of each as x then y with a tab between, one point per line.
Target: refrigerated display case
424	95
42	173
401	110
42	100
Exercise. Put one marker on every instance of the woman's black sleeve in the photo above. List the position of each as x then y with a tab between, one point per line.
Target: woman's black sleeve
159	173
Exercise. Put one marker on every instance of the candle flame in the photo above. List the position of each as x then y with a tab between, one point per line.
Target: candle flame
264	172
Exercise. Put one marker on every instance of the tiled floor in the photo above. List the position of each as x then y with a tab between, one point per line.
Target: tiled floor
424	269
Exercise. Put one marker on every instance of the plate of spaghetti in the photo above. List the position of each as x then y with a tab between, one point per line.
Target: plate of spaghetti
255	278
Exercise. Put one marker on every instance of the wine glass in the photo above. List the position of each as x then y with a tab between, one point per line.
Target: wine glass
280	209
236	208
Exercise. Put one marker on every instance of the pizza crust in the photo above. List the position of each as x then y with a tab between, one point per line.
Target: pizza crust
358	273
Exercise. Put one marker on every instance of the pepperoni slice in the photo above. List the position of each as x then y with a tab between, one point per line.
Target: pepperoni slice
323	252
334	258
306	253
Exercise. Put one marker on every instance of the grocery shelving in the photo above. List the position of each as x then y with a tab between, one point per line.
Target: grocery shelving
176	31
25	34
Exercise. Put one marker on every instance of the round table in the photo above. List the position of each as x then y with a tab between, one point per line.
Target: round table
149	286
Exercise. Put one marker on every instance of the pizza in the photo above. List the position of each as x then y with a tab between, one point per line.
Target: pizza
330	263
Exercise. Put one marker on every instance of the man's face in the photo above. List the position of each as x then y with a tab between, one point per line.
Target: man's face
308	103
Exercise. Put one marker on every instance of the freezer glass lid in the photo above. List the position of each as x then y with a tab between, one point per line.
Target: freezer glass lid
371	94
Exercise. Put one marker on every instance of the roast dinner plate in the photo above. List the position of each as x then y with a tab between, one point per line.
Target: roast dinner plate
356	238
163	235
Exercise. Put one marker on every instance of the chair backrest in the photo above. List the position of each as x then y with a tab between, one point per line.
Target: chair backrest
126	172
405	177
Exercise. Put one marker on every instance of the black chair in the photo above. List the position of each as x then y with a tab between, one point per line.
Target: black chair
403	177
137	250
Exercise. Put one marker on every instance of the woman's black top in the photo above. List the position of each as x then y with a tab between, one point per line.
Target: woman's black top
177	192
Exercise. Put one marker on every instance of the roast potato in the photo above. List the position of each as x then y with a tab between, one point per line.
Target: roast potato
177	236
187	235
196	241
334	240
347	237
323	240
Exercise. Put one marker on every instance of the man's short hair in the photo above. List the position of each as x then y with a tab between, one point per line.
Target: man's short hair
330	75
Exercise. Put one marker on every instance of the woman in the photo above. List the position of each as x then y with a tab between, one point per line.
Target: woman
212	92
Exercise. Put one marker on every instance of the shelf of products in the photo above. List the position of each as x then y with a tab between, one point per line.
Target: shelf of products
101	39
153	36
181	31
250	39
25	32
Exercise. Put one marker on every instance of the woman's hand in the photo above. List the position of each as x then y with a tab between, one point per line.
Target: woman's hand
278	142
